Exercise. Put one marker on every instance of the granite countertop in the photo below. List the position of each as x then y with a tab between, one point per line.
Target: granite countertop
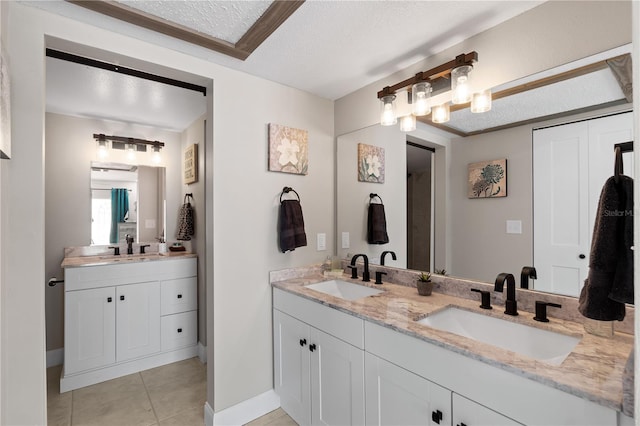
101	260
593	371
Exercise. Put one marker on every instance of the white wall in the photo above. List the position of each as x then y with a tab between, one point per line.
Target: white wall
68	154
353	195
244	209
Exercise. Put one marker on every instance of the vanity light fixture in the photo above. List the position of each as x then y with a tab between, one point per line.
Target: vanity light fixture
453	75
131	145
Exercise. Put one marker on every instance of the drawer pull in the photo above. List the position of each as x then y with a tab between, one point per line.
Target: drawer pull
436	416
179	330
179	296
109	299
122	297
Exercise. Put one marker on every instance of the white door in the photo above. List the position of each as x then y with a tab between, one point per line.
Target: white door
571	164
90	329
395	396
138	320
291	360
469	413
337	381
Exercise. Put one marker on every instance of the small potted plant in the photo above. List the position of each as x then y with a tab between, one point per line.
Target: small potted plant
425	285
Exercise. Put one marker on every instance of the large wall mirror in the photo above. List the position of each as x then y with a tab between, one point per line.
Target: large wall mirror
127	199
469	237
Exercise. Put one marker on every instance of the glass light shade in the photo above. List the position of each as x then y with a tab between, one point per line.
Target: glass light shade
103	150
420	94
461	84
440	113
388	110
481	101
408	123
131	152
156	157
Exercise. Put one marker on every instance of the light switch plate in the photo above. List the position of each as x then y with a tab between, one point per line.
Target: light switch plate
514	227
345	240
321	241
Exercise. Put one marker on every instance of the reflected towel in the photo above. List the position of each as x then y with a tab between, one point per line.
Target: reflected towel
610	282
377	225
291	226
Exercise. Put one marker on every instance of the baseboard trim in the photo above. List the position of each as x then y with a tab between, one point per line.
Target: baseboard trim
244	411
202	353
55	357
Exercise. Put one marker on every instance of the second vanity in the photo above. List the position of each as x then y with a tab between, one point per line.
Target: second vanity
370	361
125	314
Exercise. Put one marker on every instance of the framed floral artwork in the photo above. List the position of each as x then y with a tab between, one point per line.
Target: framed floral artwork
487	179
288	149
370	163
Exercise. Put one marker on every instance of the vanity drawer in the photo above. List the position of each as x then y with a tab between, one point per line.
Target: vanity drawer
179	330
179	295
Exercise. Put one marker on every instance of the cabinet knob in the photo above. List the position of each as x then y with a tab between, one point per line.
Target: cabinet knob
582	256
109	299
303	342
179	330
122	297
179	296
436	416
312	347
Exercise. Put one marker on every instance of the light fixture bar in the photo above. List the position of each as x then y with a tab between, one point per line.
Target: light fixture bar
126	140
441	71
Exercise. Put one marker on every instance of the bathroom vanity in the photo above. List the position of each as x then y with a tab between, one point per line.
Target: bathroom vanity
127	313
368	359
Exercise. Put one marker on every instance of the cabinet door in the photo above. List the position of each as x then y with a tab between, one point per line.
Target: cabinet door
90	333
469	413
337	381
395	396
291	360
138	320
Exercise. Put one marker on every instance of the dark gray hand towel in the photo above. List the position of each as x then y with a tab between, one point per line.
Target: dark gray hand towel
377	225
291	226
610	282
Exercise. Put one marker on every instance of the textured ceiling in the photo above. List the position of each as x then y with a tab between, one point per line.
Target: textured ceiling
226	20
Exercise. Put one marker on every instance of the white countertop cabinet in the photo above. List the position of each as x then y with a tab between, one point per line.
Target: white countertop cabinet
120	319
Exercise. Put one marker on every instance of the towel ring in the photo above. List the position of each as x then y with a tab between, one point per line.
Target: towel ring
372	196
286	190
188	195
618	167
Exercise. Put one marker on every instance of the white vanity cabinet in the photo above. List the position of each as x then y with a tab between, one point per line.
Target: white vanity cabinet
319	362
469	413
125	317
397	396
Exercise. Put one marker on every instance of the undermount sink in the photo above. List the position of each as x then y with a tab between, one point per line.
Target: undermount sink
543	345
344	290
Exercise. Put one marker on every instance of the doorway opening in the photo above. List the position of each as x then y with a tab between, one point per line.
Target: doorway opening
419	206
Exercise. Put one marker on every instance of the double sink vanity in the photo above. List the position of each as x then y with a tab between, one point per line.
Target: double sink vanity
352	352
127	313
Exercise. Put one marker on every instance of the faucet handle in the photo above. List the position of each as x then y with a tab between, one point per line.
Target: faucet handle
541	310
143	247
354	271
116	251
485	297
379	275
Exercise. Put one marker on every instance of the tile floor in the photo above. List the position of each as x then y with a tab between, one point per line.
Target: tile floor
171	395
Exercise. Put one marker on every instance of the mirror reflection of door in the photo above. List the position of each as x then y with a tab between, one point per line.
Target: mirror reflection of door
419	206
571	164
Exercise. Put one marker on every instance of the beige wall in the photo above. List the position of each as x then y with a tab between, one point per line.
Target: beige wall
195	134
68	153
242	194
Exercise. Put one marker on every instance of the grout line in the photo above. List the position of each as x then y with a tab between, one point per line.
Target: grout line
149	397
